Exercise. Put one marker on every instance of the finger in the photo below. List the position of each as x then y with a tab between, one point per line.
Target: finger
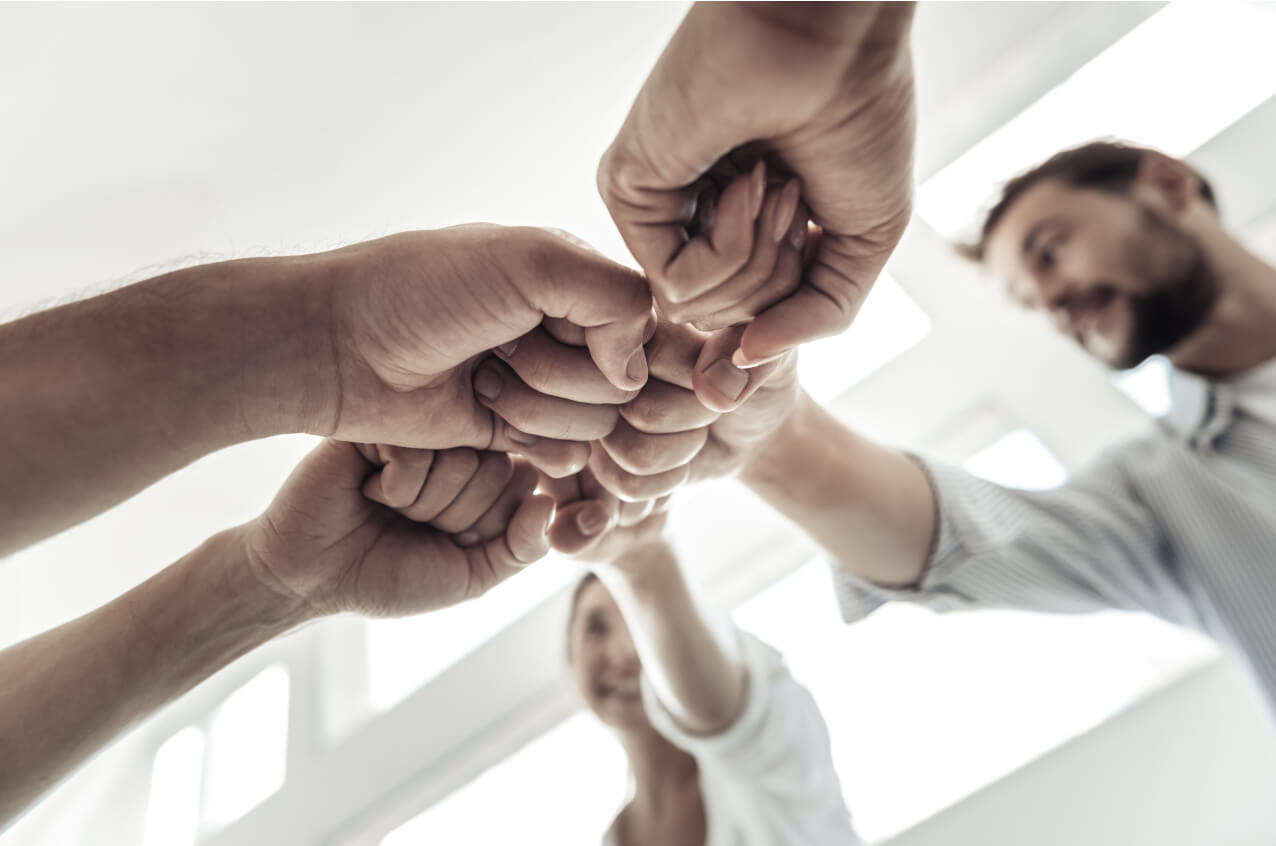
403	473
559	370
769	241
633	513
562	490
672	352
631	487
499	388
449	474
708	260
494	471
785	278
566	534
719	384
495	520
574	282
553	457
754	289
526	540
662	408
645	454
824	304
564	331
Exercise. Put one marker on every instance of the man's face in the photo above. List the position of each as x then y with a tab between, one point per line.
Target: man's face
1123	281
605	663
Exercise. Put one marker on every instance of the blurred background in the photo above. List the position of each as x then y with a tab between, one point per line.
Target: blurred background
137	138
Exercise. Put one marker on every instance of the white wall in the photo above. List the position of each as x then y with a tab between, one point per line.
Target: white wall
1192	764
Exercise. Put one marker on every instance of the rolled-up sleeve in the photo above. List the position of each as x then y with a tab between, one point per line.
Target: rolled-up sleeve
1086	546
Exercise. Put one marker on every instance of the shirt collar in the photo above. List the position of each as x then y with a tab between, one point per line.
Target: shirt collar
1201	409
1255	391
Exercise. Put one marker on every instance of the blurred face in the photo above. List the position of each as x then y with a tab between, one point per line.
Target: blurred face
605	664
1124	282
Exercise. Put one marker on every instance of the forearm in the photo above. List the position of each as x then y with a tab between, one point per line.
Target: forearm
100	398
691	658
66	693
870	507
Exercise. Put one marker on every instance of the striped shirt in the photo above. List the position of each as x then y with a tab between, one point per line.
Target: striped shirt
1180	523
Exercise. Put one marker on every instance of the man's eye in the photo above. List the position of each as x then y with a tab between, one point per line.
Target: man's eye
1049	254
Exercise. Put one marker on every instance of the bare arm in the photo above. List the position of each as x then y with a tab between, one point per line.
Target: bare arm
871	507
691	657
379	342
69	691
100	398
327	544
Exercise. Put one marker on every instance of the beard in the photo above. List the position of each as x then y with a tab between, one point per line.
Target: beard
1181	290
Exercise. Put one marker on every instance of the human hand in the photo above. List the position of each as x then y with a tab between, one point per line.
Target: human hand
666	439
413	319
822	93
388	531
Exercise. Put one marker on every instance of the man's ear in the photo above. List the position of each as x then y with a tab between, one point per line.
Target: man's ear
1166	185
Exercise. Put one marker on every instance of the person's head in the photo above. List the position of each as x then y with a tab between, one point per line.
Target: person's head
1106	238
605	664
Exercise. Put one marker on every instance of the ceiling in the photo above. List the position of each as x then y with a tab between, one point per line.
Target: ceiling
137	138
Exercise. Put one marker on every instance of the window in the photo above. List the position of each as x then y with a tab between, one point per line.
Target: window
172	808
924	709
888	324
248	747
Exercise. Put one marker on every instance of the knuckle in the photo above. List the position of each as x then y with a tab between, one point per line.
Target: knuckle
644	414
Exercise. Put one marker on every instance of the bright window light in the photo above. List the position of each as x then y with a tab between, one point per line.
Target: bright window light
563	787
1148	385
172	808
1018	459
1173	83
924	709
248	747
889	323
404	654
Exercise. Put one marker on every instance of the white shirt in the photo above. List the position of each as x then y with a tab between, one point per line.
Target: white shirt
768	779
1180	523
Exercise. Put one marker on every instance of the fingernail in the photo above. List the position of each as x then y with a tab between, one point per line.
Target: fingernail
739	359
487	384
726	379
757	190
518	436
467	538
636	369
591	521
785	209
798	232
507	350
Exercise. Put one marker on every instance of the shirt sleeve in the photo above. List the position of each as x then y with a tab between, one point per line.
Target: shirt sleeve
1088	545
776	753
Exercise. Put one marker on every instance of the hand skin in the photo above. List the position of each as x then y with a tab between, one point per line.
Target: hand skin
320	548
820	92
871	507
376	342
667	439
690	657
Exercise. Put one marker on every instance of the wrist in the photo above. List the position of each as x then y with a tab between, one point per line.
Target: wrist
642	566
285	356
769	454
250	589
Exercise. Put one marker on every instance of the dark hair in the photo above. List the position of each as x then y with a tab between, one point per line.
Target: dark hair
1106	165
585	581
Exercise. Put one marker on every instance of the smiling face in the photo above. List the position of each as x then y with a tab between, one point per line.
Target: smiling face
1123	281
605	665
